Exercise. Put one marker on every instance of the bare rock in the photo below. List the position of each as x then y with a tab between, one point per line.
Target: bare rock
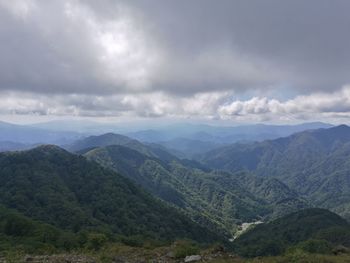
193	258
340	250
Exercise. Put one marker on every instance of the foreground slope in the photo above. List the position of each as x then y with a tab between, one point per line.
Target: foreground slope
67	191
324	228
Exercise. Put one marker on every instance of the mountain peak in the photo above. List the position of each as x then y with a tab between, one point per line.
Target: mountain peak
48	148
341	126
103	140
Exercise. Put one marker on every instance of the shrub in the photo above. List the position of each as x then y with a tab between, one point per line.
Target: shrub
96	241
295	255
185	248
67	241
17	226
315	246
133	241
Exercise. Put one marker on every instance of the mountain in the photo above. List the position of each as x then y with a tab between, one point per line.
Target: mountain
30	135
86	144
212	198
186	188
304	148
310	229
105	140
188	148
13	146
313	163
277	195
21	233
222	134
67	191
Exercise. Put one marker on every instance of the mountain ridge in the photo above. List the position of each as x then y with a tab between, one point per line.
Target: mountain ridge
314	163
65	190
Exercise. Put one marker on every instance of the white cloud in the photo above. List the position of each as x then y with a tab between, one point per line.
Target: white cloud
317	105
213	105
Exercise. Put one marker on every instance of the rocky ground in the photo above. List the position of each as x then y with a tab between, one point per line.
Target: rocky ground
130	256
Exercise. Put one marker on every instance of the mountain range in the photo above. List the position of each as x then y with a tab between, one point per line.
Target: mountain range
313	163
121	188
214	199
19	137
67	191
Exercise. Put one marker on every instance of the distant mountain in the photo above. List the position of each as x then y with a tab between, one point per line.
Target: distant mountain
89	127
67	191
314	230
13	146
212	198
152	150
222	134
314	163
188	148
78	126
105	140
24	134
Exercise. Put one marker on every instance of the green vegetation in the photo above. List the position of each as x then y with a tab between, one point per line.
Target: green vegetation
53	201
20	233
310	230
215	199
66	191
315	164
185	248
108	139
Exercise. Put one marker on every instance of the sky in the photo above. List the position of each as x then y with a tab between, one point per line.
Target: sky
232	61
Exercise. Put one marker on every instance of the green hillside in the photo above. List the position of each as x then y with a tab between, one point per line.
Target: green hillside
67	191
20	233
215	199
313	163
105	140
314	229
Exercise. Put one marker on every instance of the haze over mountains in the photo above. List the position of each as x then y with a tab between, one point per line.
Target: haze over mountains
121	187
185	139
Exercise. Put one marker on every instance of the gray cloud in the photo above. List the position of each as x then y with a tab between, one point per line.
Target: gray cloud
305	40
173	58
209	106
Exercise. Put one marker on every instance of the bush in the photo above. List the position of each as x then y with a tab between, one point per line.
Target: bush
133	241
67	241
295	256
185	248
17	226
335	235
315	246
96	241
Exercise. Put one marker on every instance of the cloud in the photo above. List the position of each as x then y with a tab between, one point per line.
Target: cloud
64	47
155	104
317	105
333	106
231	59
303	44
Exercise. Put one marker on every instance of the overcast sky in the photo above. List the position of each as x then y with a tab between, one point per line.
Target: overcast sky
229	60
